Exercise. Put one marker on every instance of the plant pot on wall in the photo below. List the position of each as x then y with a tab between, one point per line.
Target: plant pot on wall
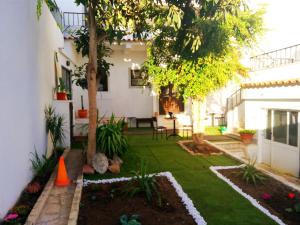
247	136
82	113
61	96
61	91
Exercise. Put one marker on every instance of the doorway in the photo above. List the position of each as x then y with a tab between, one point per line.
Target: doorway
281	140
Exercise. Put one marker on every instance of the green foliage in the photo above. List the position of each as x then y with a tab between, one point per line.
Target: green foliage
251	175
132	220
110	138
22	210
54	125
297	207
81	39
245	131
50	3
199	50
41	164
61	87
143	183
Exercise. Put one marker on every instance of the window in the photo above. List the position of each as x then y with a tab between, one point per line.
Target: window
280	126
66	76
103	83
269	126
285	127
293	129
138	78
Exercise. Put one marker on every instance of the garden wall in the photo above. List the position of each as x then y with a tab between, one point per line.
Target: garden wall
27	79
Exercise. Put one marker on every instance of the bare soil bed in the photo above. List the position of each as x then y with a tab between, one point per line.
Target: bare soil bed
279	200
200	149
105	203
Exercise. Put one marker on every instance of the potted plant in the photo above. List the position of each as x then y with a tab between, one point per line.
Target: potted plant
61	91
247	135
82	113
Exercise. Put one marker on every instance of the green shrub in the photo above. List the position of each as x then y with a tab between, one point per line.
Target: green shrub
245	131
54	125
110	138
132	220
143	183
251	175
41	165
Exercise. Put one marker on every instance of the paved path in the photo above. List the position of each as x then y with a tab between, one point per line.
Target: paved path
58	205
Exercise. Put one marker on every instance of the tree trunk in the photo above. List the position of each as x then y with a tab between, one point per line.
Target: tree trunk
92	83
199	112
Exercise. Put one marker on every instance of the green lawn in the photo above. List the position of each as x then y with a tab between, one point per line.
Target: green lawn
218	203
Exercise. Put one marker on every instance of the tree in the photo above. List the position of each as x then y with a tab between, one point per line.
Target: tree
199	51
110	21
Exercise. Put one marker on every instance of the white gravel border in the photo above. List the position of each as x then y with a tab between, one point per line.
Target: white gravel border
253	201
187	202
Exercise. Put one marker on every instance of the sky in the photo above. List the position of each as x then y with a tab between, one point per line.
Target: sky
282	23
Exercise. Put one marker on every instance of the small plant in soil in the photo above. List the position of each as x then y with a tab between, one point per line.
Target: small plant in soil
294	203
143	183
251	175
129	220
41	164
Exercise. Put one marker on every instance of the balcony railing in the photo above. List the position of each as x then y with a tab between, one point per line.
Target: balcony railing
74	20
276	58
234	100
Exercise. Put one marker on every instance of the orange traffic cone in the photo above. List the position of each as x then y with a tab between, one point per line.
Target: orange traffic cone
62	178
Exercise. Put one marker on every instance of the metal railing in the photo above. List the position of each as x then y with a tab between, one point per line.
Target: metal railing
74	20
276	58
234	100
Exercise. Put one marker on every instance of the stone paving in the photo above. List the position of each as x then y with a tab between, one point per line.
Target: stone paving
57	208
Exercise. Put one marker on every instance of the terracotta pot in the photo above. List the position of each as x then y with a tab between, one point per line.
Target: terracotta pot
82	113
246	138
61	96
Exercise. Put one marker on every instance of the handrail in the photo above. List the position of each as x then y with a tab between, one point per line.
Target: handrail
276	58
74	19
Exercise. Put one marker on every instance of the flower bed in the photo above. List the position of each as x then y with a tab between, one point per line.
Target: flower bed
273	198
103	201
19	213
199	149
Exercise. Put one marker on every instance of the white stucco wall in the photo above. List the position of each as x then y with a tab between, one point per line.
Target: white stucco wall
26	81
121	99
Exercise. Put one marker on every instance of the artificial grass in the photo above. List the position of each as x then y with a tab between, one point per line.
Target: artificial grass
218	203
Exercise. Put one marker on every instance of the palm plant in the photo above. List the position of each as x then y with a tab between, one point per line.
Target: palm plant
110	139
54	125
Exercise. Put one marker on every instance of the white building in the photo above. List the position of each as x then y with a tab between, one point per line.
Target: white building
269	100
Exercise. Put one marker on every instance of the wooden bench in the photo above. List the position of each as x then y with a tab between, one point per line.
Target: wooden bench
144	120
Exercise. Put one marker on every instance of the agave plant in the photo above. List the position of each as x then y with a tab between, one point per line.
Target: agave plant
251	175
143	183
110	139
